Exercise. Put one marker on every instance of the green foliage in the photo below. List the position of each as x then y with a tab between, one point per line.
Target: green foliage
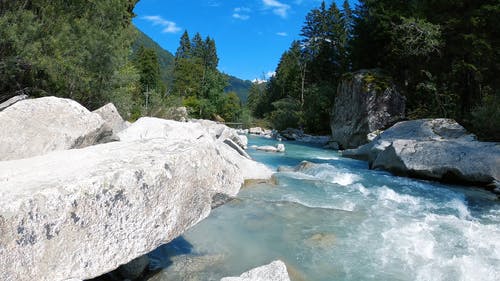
486	118
442	54
308	73
52	48
165	58
199	83
286	114
146	61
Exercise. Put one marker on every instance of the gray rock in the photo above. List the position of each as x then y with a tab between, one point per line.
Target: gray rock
134	268
256	131
37	126
275	271
363	106
332	145
450	161
438	149
177	114
292	134
420	130
110	115
269	148
12	101
77	214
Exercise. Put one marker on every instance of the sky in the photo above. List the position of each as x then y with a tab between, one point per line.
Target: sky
250	35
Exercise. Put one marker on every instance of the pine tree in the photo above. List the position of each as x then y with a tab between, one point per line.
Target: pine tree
184	49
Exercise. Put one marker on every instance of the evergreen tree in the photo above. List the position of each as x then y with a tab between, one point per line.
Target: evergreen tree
184	49
74	51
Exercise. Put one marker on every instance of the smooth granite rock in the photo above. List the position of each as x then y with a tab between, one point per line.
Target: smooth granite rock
275	271
77	214
38	126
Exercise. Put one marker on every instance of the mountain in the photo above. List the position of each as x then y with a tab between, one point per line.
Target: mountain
239	86
165	58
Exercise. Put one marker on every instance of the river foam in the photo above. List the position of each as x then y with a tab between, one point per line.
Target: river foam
337	220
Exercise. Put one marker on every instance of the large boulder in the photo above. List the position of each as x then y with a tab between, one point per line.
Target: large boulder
450	161
112	117
275	271
440	129
77	214
366	101
37	126
177	114
438	149
151	128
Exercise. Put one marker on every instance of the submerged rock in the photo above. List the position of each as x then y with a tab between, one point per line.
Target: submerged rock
269	148
37	126
366	101
275	271
438	149
81	213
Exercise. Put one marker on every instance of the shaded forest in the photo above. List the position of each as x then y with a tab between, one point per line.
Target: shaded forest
444	57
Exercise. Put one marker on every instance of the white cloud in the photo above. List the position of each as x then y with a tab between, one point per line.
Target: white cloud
242	9
284	34
278	8
168	26
240	13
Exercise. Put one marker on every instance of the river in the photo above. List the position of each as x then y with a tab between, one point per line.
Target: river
342	221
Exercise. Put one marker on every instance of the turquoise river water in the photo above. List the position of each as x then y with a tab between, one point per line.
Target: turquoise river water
342	221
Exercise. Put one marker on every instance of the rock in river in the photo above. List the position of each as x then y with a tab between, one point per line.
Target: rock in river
275	271
438	149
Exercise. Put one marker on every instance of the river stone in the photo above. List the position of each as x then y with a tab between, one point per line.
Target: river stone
363	105
256	131
77	214
37	126
275	271
440	129
110	115
451	161
438	149
12	101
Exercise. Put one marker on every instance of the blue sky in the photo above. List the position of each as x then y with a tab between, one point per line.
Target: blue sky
250	35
